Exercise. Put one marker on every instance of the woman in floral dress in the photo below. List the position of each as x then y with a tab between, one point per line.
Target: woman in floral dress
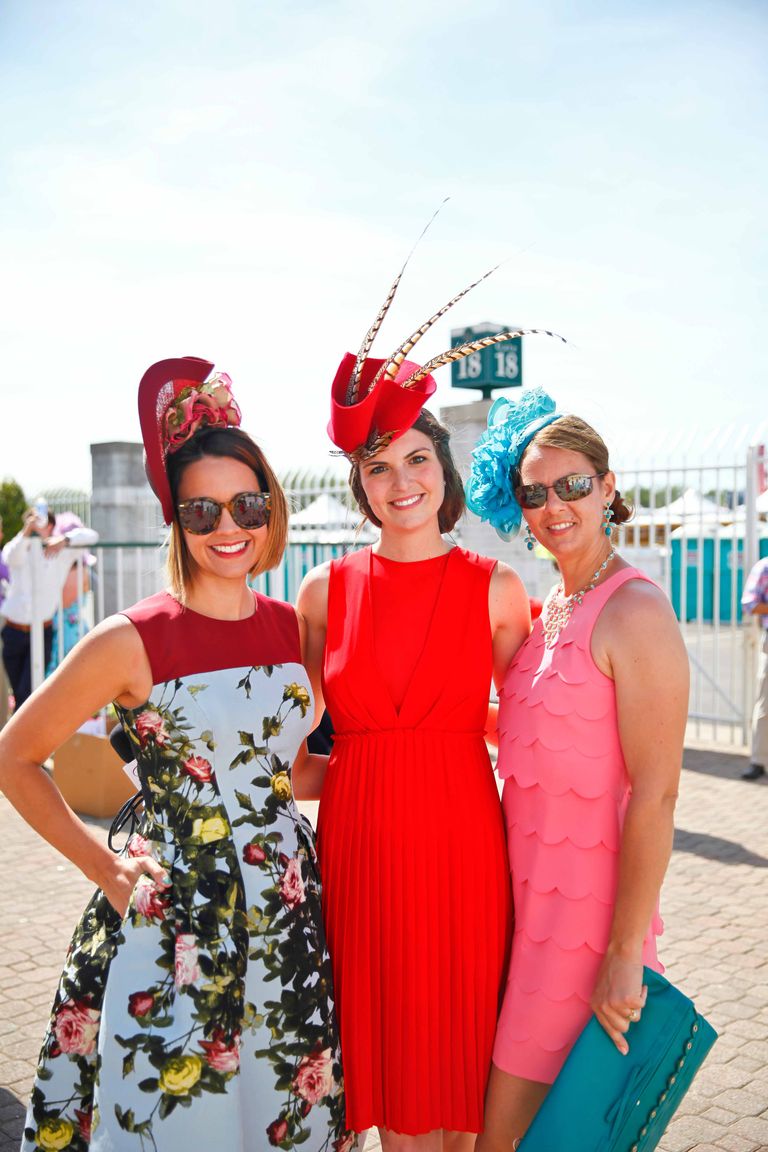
195	1010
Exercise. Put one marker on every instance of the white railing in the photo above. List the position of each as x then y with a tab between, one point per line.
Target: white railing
698	533
698	552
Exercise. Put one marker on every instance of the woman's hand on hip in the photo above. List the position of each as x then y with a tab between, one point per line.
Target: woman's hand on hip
125	874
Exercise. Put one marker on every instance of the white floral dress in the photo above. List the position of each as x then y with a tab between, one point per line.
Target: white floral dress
204	1018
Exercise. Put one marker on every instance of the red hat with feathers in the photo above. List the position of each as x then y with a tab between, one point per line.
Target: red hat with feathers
375	401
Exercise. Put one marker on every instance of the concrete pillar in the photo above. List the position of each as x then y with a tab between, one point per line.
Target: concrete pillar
467	422
126	513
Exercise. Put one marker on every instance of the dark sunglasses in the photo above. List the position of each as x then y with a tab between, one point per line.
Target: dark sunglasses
567	488
201	515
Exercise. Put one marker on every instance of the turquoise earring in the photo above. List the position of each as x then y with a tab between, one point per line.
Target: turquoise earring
530	539
607	517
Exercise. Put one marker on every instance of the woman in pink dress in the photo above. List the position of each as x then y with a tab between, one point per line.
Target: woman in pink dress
591	721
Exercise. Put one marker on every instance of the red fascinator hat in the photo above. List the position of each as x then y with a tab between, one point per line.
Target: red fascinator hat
177	398
375	401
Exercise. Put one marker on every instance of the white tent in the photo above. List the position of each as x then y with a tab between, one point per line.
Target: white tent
735	531
325	511
693	506
327	521
762	502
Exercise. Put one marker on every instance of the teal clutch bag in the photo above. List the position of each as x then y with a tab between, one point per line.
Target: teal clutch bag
605	1102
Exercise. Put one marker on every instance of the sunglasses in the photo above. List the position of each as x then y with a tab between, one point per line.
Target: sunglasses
567	488
202	515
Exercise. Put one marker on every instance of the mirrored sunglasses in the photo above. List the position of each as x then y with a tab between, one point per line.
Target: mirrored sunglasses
567	488
202	515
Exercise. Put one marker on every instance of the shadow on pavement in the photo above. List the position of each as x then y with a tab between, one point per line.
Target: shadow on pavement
726	765
12	1113
716	848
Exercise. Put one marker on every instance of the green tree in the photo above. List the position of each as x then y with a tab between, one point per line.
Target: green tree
13	504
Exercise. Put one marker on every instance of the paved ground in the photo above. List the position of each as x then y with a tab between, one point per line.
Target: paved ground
716	947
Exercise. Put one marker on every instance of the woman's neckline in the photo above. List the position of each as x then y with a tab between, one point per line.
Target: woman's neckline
412	563
184	608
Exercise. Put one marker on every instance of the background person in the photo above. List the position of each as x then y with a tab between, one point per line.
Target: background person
592	717
755	601
46	571
5	575
68	620
194	1011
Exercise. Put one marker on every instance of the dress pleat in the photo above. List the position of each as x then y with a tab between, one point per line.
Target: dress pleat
411	842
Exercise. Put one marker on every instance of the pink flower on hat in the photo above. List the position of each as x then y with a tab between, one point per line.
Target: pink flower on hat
209	405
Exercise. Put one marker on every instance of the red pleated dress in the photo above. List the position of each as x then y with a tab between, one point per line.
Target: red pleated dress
411	840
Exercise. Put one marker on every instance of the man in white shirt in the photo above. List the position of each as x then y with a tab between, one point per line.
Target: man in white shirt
44	569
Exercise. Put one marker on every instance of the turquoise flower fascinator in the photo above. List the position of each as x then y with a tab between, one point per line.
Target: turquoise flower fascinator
511	427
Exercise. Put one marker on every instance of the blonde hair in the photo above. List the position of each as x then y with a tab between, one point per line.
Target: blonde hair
238	445
573	434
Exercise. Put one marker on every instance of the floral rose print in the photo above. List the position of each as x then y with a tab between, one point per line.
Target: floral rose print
298	693
292	885
54	1135
281	786
140	1003
314	1079
198	768
84	1124
77	1028
150	726
225	996
149	899
254	854
277	1131
180	1075
214	828
186	968
223	1056
138	846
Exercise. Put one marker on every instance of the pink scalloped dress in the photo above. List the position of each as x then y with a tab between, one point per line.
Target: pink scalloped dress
565	795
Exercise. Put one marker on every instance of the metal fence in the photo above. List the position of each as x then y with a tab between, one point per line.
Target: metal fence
696	530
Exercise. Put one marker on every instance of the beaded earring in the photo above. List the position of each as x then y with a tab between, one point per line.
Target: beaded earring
607	517
530	539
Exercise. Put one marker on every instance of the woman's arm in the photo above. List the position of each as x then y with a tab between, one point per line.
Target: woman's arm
312	610
637	640
510	617
109	663
308	774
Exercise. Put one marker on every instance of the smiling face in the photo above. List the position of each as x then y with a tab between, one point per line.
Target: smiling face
229	551
566	528
404	484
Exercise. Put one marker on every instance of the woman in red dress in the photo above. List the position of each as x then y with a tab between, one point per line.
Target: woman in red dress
416	902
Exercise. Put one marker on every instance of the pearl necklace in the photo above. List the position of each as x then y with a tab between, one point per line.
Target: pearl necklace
559	608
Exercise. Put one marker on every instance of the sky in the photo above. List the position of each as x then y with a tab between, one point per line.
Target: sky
241	181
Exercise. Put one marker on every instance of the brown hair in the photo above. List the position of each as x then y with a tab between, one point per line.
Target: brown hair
452	507
574	435
238	445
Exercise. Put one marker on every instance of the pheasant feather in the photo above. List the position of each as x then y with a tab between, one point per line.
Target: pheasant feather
353	387
454	354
